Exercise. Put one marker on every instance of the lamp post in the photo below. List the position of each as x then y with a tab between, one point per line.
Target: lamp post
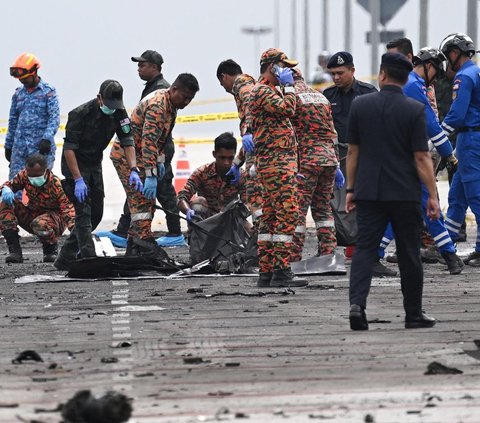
256	31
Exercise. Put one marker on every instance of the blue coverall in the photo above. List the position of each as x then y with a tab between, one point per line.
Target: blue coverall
464	118
33	116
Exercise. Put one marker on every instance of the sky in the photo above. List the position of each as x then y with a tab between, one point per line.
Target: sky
82	43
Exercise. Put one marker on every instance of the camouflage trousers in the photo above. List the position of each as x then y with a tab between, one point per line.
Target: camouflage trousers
277	174
315	191
141	208
47	225
254	191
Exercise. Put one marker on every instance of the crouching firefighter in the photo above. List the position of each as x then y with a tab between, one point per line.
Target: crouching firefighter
47	214
90	127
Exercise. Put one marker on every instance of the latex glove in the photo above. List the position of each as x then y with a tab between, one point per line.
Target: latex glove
234	174
253	171
285	77
339	179
452	164
7	196
135	181
44	147
150	187
247	142
81	190
8	154
190	214
160	171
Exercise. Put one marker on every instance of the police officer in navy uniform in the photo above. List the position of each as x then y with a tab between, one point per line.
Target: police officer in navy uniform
387	156
341	95
464	119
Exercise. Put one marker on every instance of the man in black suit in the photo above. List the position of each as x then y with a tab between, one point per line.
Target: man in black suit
387	156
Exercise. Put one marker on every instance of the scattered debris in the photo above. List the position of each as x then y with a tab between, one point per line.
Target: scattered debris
285	291
376	320
122	344
57	409
8	405
148	374
195	360
232	364
28	355
109	360
436	368
369	419
220	394
112	407
194	290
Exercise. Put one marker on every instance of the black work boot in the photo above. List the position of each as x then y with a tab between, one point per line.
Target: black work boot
473	259
380	270
132	248
454	263
50	252
264	279
285	277
13	242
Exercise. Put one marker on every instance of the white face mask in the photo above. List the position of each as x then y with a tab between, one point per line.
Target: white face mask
37	181
107	110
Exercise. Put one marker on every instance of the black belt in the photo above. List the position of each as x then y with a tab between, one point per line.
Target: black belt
469	129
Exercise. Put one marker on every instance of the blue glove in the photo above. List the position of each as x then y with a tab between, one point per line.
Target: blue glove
247	142
150	187
339	179
161	170
285	77
7	196
190	214
233	174
135	180
81	190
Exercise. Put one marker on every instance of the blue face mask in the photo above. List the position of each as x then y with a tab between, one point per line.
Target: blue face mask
107	110
37	181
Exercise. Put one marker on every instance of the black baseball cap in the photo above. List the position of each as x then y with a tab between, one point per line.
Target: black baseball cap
112	94
342	58
396	60
150	56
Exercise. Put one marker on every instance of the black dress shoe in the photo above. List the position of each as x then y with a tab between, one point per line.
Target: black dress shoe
358	318
264	279
418	322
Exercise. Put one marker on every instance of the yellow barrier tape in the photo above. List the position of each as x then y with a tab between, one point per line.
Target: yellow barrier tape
207	117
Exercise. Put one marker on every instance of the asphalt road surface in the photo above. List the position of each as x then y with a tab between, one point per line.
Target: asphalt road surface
220	349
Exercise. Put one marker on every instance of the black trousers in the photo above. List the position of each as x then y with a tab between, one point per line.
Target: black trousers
166	196
372	219
87	214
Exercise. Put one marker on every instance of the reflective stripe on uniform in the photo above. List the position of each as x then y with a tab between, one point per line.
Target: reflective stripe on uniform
264	237
141	216
300	229
282	238
324	224
257	213
452	226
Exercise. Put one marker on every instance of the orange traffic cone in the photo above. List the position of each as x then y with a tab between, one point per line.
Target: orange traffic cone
182	171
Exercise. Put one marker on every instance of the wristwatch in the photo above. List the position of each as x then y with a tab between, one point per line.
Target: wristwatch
349	190
135	169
